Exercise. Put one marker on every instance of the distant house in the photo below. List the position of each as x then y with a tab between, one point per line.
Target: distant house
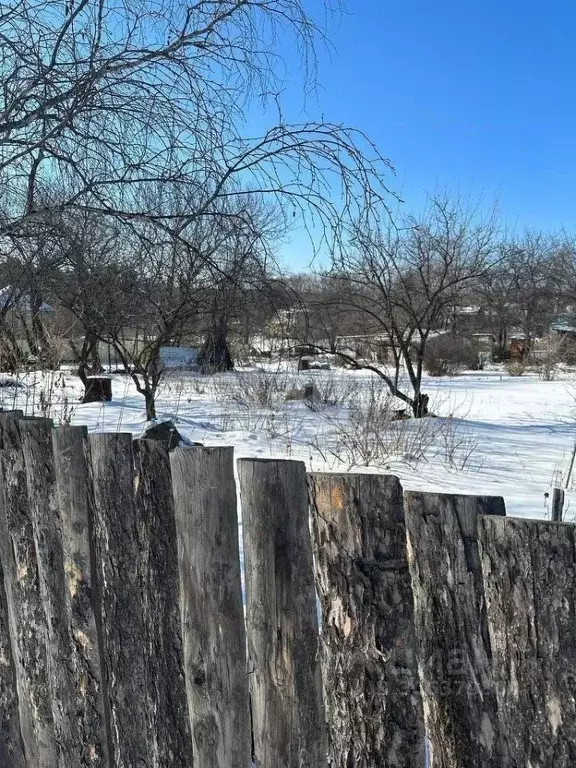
565	326
10	299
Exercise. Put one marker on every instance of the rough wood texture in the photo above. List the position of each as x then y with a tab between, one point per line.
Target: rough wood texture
47	531
27	620
370	673
166	705
75	505
529	572
11	754
212	615
123	622
449	610
282	623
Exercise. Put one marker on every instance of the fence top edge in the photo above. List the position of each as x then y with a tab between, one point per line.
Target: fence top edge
410	493
352	475
110	436
32	423
528	521
270	461
190	448
70	429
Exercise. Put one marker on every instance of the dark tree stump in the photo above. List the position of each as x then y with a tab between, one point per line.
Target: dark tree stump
98	389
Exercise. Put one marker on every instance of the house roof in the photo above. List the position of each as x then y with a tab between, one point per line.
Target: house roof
564	324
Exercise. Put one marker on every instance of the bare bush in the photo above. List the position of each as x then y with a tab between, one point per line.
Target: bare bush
549	353
255	389
376	431
449	354
515	367
334	390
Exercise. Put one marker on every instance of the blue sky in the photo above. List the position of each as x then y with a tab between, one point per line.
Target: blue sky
474	96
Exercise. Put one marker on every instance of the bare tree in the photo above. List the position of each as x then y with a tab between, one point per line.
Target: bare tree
101	100
519	290
404	281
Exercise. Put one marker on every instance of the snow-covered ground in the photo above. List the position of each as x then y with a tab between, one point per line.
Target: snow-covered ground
496	434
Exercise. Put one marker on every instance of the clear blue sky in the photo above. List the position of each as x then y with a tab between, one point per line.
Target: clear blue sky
474	96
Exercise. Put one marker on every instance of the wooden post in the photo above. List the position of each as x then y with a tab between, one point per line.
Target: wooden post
371	687
117	548
166	705
47	532
214	638
451	628
557	504
27	620
11	754
529	572
76	509
282	623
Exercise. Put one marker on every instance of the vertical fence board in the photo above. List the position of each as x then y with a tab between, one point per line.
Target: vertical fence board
166	705
371	686
11	754
213	619
27	620
282	623
76	508
530	584
123	623
455	657
47	530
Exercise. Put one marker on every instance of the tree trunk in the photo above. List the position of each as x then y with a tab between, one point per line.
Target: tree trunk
150	400
215	354
420	405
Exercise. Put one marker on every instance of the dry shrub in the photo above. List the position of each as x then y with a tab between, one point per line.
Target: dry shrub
515	367
449	354
549	354
374	435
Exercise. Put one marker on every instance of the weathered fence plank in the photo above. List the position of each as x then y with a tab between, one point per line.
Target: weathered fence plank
371	686
213	619
47	531
76	508
454	649
529	571
282	623
11	754
166	704
27	620
124	649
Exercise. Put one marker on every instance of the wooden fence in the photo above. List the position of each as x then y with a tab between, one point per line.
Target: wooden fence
373	622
